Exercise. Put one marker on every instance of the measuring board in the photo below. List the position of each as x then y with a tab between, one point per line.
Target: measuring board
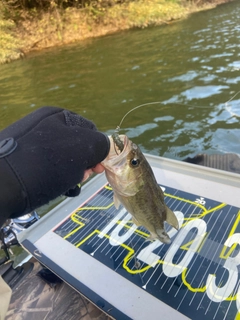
99	251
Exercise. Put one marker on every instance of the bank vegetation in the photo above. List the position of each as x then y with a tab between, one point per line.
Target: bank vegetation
27	25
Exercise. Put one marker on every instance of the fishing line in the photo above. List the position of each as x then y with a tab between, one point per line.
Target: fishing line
232	97
160	102
141	105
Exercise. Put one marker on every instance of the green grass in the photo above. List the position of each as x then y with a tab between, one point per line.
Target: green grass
40	29
9	44
144	13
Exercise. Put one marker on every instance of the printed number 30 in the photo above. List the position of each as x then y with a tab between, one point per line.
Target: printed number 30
219	294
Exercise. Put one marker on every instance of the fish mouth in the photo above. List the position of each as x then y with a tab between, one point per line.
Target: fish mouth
123	139
116	156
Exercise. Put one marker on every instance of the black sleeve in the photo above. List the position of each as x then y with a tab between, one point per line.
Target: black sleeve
43	156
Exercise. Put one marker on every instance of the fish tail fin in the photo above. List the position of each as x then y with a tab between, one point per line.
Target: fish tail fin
163	236
171	218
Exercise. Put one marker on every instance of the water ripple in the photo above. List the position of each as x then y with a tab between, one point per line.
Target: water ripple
200	92
137	131
190	75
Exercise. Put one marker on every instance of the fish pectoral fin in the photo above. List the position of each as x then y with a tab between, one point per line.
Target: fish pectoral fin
135	221
116	201
171	218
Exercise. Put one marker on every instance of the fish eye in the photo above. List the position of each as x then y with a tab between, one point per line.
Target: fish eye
135	162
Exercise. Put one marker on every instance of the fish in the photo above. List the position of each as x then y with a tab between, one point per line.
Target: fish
135	187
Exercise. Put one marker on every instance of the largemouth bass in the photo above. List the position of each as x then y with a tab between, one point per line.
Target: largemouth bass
135	187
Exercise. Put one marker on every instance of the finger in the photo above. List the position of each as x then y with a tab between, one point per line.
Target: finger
99	168
87	174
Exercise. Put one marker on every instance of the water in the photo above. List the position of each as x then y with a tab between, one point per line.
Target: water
195	62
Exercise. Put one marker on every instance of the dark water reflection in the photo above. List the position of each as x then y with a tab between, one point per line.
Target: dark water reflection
194	62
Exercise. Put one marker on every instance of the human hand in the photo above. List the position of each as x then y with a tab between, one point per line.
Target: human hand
99	168
55	150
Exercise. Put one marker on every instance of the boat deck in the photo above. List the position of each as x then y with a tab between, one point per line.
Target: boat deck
34	299
99	252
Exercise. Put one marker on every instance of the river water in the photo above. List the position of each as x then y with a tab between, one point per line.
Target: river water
194	62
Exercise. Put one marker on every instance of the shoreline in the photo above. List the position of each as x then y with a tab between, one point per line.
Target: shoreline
61	27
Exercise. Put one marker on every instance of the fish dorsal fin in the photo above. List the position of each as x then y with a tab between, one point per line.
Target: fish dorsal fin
171	218
116	201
